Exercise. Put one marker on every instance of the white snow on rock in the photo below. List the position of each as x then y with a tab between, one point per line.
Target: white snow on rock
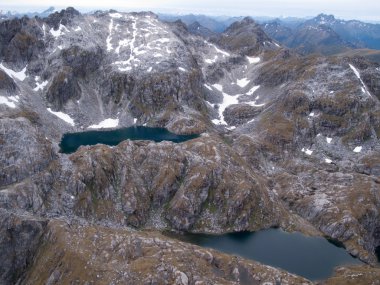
307	151
228	100
107	123
361	81
150	69
182	69
109	38
211	61
135	120
253	90
311	114
163	40
253	104
221	51
328	160
122	43
208	87
62	116
252	60
116	15
242	82
15	99
40	86
7	101
20	75
77	29
218	87
61	31
355	71
329	140
358	149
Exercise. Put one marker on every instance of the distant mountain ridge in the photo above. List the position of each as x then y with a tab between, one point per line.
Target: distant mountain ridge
43	14
325	34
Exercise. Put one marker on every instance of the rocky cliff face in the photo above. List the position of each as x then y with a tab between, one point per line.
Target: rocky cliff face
287	141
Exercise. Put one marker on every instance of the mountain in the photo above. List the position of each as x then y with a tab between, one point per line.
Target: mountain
278	31
285	140
321	39
245	37
325	34
202	20
43	14
197	29
362	34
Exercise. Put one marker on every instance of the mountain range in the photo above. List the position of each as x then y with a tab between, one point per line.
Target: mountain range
287	138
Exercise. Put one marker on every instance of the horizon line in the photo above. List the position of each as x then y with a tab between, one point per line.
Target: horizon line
86	9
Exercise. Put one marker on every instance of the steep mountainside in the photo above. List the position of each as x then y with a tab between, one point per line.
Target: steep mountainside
285	141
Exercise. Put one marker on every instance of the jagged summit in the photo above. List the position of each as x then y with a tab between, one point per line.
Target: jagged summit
246	37
323	19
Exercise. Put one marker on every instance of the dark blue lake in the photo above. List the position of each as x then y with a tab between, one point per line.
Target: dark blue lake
72	141
311	257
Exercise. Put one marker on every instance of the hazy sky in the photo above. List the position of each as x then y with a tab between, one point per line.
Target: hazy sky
348	9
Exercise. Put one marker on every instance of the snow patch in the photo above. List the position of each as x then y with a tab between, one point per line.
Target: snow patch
307	151
15	99
150	69
328	160
18	75
109	38
242	82
252	60
41	86
355	71
182	69
208	87
61	31
311	114
221	51
77	29
116	15
62	116
228	100
163	41
107	123
122	43
358	149
135	120
211	61
329	140
7	101
218	87
253	104
253	90
361	81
